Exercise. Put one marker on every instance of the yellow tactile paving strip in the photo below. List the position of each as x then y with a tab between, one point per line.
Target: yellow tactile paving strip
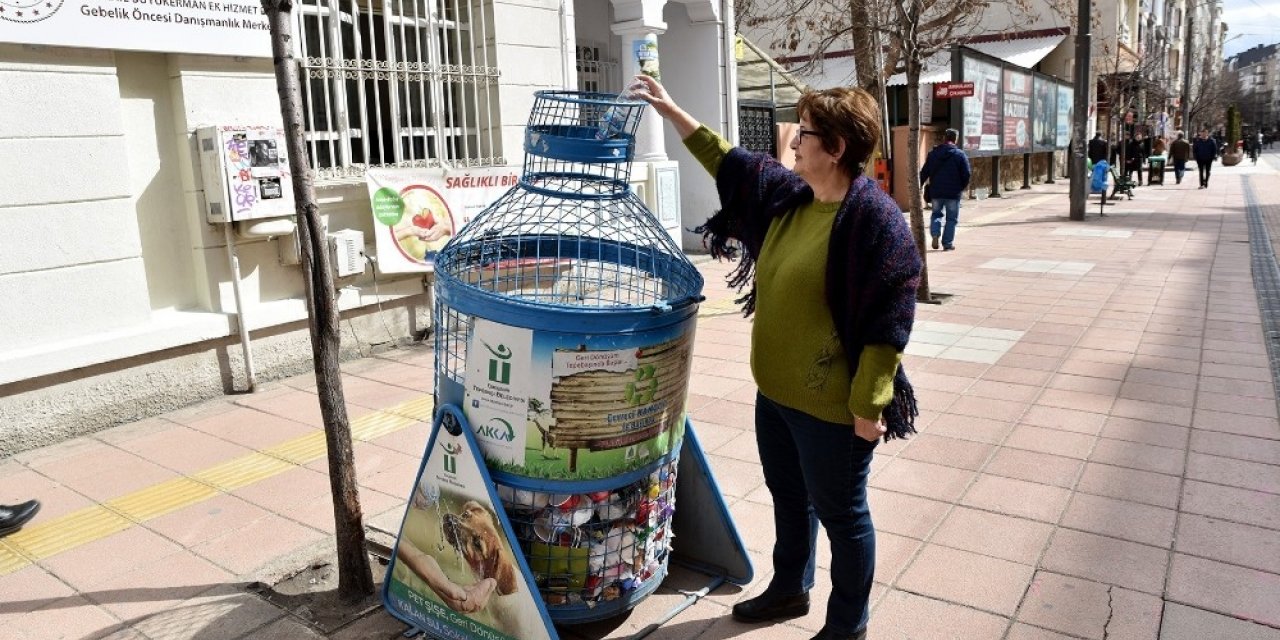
721	307
67	532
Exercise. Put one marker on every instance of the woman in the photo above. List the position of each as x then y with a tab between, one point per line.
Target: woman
833	271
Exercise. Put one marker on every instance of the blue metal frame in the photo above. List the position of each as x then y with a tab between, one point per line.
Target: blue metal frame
577	144
695	454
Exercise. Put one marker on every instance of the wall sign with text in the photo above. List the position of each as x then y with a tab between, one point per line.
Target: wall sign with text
227	28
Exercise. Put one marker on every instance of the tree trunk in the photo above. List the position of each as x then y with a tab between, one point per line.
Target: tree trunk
914	67
355	580
866	63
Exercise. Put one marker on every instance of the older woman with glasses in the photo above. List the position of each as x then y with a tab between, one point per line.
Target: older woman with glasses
833	270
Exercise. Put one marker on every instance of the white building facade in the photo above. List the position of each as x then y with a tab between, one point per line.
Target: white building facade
119	296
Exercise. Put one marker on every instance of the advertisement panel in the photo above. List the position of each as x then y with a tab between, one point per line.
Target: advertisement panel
981	125
230	28
417	211
456	570
1017	112
572	406
1044	114
1066	111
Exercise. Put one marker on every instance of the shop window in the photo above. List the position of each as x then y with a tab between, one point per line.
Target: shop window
398	83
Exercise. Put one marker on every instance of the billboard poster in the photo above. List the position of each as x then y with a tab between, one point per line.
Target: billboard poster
456	570
981	126
572	406
417	211
1044	114
1066	111
1017	112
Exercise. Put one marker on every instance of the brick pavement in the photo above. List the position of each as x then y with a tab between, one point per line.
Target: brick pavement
1099	457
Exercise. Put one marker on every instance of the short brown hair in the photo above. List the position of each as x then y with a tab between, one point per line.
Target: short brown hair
845	112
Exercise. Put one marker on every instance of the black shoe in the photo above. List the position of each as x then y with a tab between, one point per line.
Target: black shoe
12	518
771	606
935	243
950	247
827	634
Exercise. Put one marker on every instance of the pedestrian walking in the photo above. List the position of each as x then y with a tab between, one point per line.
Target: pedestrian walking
13	517
1205	151
1133	157
1097	149
947	171
833	270
1180	152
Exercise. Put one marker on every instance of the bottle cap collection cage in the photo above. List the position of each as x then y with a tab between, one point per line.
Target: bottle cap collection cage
564	323
579	145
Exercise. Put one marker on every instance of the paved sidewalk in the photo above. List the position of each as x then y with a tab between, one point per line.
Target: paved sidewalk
1099	457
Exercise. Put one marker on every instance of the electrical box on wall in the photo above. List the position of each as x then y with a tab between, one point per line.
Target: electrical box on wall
246	173
347	252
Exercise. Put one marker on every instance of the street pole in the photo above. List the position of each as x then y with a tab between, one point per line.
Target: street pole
1186	74
1080	125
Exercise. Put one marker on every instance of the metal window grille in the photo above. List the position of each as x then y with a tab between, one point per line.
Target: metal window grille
406	83
757	126
597	74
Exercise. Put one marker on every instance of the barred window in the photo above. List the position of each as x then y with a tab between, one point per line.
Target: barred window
596	73
398	83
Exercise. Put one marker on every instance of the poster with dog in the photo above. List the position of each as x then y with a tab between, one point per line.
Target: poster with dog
575	406
455	572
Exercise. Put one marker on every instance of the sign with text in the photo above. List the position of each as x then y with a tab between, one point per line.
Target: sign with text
571	406
1043	114
948	90
1017	112
1066	111
981	125
457	570
230	28
417	211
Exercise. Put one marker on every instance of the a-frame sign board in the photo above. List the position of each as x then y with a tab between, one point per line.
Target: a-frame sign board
457	571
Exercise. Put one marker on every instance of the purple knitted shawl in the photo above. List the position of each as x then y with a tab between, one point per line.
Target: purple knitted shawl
873	266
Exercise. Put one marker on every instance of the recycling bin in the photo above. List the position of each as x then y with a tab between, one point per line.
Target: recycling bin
565	318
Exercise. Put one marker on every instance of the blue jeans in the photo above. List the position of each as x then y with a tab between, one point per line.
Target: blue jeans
1179	168
817	473
951	207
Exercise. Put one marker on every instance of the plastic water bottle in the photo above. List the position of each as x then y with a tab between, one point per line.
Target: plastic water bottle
614	120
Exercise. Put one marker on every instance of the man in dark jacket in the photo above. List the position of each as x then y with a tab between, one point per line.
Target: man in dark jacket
1205	151
1180	153
1133	157
1097	148
947	170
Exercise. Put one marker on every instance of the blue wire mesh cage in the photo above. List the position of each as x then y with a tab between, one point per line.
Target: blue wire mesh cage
564	319
579	144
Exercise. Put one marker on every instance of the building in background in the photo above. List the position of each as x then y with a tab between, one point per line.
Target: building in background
120	296
1257	71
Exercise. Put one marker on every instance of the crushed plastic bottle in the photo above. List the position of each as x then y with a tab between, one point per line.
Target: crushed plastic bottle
614	120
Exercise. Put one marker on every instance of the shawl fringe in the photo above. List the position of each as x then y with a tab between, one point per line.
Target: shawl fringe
721	247
900	415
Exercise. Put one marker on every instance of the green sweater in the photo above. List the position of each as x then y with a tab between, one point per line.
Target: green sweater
796	355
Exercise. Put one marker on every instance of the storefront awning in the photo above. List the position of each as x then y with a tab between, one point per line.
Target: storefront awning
1023	52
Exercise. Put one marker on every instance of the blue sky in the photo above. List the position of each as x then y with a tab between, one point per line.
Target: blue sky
1254	21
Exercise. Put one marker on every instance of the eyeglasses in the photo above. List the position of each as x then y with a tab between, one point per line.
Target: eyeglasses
802	132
